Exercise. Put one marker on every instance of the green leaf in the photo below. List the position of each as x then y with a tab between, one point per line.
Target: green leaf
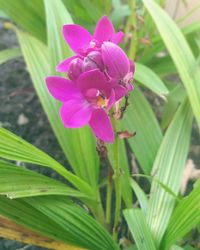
79	149
140	194
92	9
19	182
139	229
29	15
9	54
185	216
14	148
175	247
59	219
140	118
87	161
180	52
56	16
168	166
176	96
148	78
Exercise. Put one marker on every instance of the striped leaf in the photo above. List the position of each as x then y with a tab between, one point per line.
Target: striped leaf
59	219
168	167
180	52
139	229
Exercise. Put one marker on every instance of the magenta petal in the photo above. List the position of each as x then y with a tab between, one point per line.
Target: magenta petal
101	125
62	89
77	37
64	65
115	60
75	114
111	100
130	87
104	30
118	37
93	79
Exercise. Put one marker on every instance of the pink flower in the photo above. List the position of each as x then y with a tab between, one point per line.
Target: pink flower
85	101
82	42
99	75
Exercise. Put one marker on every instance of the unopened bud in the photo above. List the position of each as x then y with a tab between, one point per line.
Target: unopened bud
75	68
93	61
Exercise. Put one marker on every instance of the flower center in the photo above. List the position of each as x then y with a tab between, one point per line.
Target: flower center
97	98
102	102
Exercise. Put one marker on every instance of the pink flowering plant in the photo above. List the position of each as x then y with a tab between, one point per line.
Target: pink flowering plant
98	77
119	83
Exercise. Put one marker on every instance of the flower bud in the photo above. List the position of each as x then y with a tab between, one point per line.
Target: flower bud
93	61
75	68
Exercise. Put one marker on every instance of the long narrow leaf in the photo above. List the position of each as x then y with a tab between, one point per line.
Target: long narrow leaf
139	229
168	166
27	14
19	182
140	194
140	118
14	148
59	219
82	153
185	216
13	231
148	78
180	52
9	54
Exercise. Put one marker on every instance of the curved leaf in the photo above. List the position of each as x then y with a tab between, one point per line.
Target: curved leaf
59	219
14	148
9	54
19	182
147	77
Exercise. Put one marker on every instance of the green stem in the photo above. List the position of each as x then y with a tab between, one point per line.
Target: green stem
109	198
97	210
133	22
117	184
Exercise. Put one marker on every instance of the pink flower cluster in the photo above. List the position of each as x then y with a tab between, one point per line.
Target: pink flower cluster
99	75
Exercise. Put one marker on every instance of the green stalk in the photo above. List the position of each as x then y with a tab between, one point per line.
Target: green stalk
117	183
97	209
109	198
132	21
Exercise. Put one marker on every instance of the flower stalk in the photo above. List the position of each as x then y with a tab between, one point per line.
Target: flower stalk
117	182
109	197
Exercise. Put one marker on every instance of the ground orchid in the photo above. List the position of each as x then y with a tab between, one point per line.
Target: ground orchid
85	101
99	75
